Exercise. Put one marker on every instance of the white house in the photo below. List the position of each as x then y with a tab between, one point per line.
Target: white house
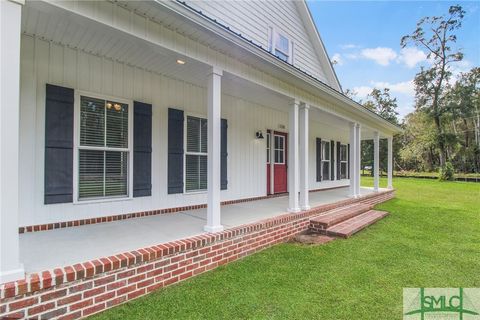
112	110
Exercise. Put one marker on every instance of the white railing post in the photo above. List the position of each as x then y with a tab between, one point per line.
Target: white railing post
352	158
304	201
390	162
214	101
293	158
358	152
376	160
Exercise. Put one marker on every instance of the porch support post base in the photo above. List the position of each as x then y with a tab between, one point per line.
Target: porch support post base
12	275
294	210
305	208
213	229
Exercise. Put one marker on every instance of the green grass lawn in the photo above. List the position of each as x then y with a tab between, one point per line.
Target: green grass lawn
430	239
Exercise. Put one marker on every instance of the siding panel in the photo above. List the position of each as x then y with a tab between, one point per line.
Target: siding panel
254	18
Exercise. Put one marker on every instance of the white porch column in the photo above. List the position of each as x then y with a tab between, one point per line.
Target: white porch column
293	158
352	159
376	160
304	202
358	152
214	100
390	162
10	21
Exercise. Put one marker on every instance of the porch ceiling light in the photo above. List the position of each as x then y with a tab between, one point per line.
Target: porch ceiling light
180	61
259	134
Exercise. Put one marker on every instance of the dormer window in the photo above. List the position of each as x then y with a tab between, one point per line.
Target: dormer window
281	45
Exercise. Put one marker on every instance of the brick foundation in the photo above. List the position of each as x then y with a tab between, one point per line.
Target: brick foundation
83	289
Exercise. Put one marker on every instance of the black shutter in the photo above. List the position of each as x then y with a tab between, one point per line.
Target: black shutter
348	160
175	151
58	145
332	159
339	164
142	149
224	155
319	159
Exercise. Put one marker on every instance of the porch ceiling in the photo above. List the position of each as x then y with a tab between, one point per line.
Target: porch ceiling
51	23
59	26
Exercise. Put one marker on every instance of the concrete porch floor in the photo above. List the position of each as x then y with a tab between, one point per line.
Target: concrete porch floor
56	248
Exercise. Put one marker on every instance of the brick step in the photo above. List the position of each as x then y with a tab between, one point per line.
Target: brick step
338	215
348	227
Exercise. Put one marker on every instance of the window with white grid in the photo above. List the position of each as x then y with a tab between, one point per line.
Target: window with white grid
196	154
325	160
343	161
103	149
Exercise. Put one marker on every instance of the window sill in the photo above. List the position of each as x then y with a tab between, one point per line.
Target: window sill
102	200
193	192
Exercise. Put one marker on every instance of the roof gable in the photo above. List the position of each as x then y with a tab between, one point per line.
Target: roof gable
256	20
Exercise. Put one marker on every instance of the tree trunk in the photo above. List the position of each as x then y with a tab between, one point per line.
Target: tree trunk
441	139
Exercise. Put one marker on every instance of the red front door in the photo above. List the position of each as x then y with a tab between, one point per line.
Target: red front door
276	154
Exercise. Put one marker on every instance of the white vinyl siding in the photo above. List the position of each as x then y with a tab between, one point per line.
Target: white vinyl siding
103	149
253	20
48	62
196	154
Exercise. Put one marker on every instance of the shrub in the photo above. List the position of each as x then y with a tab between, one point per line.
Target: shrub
446	172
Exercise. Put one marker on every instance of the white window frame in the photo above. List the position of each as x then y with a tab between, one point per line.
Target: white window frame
344	161
77	147
274	33
194	115
268	142
324	143
275	149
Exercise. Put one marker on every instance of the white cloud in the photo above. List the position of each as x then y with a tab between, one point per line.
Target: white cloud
411	56
460	66
406	87
362	91
380	55
404	92
337	59
351	56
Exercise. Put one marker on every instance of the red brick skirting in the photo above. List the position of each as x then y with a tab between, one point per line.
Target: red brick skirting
81	222
83	289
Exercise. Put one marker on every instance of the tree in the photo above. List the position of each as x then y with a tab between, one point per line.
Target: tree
419	142
436	35
352	94
383	104
464	115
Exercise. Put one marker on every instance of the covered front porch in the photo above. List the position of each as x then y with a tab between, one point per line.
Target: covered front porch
149	62
50	249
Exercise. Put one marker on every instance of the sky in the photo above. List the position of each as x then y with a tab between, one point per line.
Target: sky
364	40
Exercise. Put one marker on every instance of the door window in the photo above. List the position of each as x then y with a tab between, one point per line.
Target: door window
279	149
